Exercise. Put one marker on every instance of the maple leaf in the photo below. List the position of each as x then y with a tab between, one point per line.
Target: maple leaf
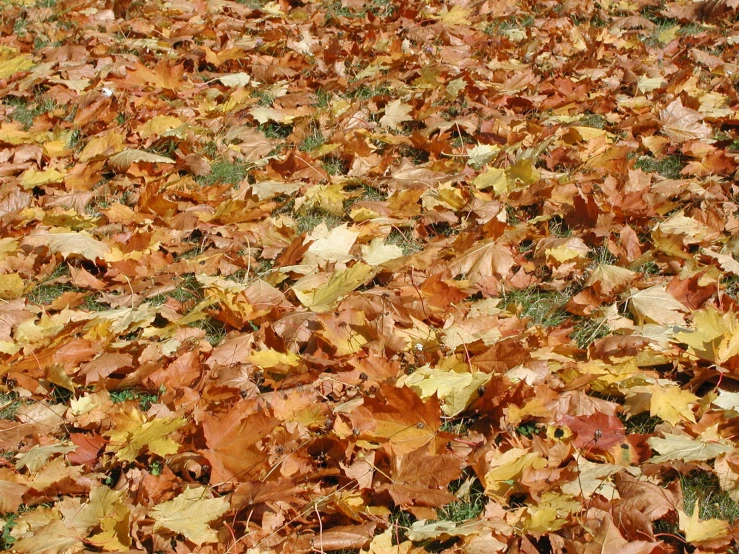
681	123
598	432
701	530
456	388
483	260
122	161
232	443
672	404
686	449
655	304
320	294
53	538
396	112
190	514
132	434
67	244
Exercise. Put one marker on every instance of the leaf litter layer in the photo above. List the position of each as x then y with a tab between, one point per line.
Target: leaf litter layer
369	276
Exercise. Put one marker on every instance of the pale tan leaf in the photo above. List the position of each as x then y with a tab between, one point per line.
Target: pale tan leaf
396	112
681	123
658	306
54	538
122	161
190	514
67	244
685	449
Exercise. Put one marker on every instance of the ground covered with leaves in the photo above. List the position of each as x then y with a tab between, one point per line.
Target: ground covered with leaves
389	276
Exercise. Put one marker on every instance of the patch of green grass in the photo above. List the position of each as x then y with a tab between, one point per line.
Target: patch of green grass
10	404
558	227
225	172
594	120
640	424
471	501
276	130
25	112
703	487
513	22
312	141
311	219
528	428
693	28
46	292
323	99
545	308
366	92
405	240
669	166
400	522
587	331
144	398
265	98
647	268
602	256
334	165
458	425
6	539
91	304
215	331
156	468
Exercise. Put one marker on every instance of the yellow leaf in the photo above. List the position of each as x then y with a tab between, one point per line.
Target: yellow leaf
33	178
67	244
455	389
685	449
53	538
672	404
271	358
190	514
102	146
11	286
158	125
701	530
656	305
669	34
396	112
494	177
378	252
506	468
124	160
524	171
456	16
324	297
132	434
15	65
329	198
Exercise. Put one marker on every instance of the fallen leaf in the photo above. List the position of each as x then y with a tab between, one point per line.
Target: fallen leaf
189	514
701	530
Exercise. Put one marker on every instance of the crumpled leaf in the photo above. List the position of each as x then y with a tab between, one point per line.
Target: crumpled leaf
189	514
122	161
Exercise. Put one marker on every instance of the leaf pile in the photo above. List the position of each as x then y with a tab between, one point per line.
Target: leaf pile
369	276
